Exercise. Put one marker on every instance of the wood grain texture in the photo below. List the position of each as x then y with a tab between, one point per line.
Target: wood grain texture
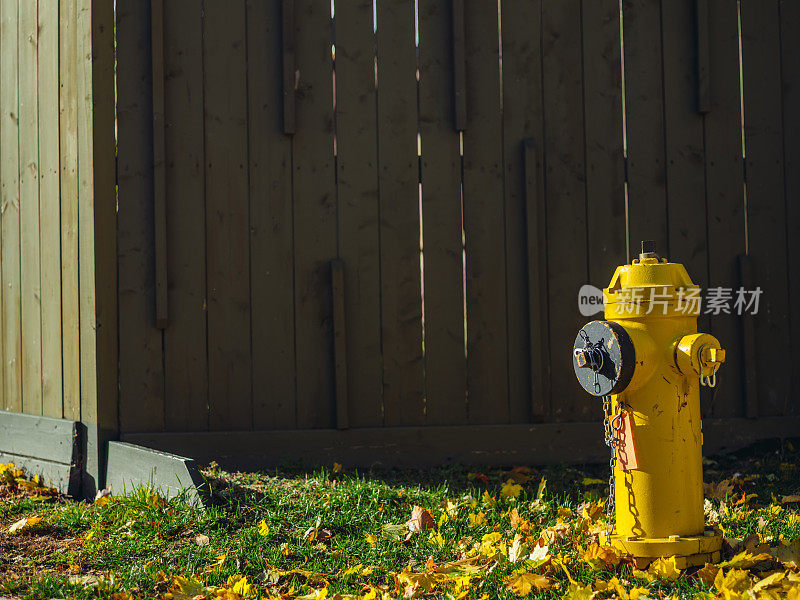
340	343
644	106
766	202
271	228
50	210
565	181
484	221
401	299
227	216
522	120
314	217
459	65
159	166
30	260
10	209
185	351
702	64
141	372
605	161
685	159
790	87
445	361
724	176
358	210
289	55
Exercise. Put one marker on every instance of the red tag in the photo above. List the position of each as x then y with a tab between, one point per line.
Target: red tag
626	448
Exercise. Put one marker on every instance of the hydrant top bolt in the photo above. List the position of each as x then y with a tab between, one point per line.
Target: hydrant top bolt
648	249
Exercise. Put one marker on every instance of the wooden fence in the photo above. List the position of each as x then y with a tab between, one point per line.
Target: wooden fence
374	216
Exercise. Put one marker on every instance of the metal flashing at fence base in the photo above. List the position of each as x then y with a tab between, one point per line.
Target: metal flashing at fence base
45	446
130	467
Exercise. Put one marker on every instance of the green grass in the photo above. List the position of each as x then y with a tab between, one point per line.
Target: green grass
139	543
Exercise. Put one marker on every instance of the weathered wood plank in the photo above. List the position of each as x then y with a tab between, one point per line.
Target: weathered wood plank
685	164
185	358
227	216
484	220
44	438
522	120
271	228
459	65
702	64
30	261
66	478
790	86
565	180
141	372
539	329
644	107
413	447
97	212
724	176
288	53
445	360
766	202
359	227
747	351
340	343
159	166
131	467
50	210
10	209
605	161
314	216
403	394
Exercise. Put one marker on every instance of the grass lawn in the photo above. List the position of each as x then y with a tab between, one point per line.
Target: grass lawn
446	533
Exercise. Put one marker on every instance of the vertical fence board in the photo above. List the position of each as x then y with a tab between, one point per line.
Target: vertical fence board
605	162
761	67
314	215
141	373
685	169
790	77
484	220
566	197
271	260
357	181
445	361
725	196
9	208
399	214
644	102
522	119
50	209
185	357
159	164
227	216
30	261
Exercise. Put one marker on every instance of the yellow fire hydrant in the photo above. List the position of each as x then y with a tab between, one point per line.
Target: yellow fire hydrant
647	361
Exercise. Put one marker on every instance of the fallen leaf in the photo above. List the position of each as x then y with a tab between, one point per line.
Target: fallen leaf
602	557
415	584
24	524
337	468
522	583
510	490
734	581
263	528
201	540
394	532
591	481
707	574
746	560
476	519
421	520
517	549
371	539
577	591
664	569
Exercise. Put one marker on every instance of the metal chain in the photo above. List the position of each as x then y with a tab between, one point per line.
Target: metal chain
612	423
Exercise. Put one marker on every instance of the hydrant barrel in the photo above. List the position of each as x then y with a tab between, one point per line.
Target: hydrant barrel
649	359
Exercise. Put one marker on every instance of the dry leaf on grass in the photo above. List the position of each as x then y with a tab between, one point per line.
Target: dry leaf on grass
421	520
522	583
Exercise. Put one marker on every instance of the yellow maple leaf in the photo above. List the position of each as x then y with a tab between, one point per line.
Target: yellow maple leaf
638	593
522	583
415	584
371	539
769	581
734	581
476	519
24	524
577	591
746	560
263	528
602	557
239	585
186	586
592	481
337	468
488	500
517	548
510	490
664	569
436	540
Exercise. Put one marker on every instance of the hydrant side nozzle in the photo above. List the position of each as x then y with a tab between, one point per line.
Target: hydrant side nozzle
698	354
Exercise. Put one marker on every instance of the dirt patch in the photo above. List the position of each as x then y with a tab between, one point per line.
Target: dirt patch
37	546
